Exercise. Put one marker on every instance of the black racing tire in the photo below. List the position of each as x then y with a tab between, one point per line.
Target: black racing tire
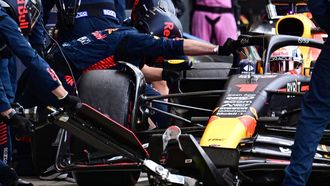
110	92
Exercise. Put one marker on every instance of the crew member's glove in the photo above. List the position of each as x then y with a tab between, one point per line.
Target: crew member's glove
170	77
70	103
177	64
20	122
228	48
9	177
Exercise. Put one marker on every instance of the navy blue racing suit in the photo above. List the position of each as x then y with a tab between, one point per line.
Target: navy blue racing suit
315	113
7	95
102	50
40	70
92	15
10	70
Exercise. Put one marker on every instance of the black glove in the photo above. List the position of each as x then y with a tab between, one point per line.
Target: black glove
8	176
170	77
21	123
70	103
177	64
228	48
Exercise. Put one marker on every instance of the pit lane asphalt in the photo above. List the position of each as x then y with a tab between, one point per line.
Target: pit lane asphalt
143	181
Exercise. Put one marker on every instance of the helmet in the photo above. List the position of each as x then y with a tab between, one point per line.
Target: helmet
159	22
286	60
24	12
141	7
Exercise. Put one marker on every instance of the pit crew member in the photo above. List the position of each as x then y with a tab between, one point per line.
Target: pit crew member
13	42
102	49
315	111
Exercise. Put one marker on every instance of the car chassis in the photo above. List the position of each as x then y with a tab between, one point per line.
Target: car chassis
266	151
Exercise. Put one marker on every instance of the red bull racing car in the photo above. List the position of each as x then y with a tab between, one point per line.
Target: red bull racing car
236	129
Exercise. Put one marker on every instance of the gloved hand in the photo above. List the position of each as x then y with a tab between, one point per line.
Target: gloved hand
21	123
170	77
228	48
70	103
8	176
177	64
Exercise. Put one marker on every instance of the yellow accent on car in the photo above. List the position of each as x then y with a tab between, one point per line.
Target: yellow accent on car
223	132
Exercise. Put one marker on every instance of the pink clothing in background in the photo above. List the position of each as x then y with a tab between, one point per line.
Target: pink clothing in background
213	25
215	3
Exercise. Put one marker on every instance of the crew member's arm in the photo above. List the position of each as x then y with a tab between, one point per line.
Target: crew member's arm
8	114
5	107
149	46
152	73
37	36
193	48
22	49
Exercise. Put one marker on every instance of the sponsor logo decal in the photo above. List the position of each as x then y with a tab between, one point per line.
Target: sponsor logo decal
82	14
98	35
247	87
168	27
52	74
236	104
22	12
69	80
110	31
84	40
109	12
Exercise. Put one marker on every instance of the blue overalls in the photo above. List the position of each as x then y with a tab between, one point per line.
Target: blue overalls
92	15
40	70
101	50
315	114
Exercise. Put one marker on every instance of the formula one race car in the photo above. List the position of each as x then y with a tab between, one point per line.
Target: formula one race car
234	130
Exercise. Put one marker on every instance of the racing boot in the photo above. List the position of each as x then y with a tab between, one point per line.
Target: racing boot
8	177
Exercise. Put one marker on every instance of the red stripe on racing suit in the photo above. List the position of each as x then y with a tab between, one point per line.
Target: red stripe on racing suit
106	63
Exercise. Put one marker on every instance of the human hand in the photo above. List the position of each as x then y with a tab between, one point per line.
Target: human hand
170	77
228	48
70	103
20	122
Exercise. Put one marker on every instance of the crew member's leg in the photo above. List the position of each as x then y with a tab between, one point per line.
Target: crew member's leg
314	118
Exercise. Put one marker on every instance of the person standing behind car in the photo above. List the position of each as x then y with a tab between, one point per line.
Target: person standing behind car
76	18
315	113
214	21
10	71
12	42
